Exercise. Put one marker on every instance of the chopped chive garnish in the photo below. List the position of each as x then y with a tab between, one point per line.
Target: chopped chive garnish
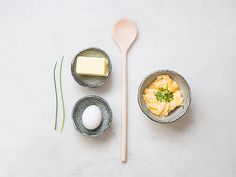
164	94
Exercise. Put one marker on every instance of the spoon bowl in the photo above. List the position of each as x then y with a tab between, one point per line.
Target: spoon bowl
124	33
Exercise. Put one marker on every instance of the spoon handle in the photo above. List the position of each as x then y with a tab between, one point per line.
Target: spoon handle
124	108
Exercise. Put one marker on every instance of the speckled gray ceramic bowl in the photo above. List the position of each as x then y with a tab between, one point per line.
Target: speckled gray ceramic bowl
91	81
79	108
178	112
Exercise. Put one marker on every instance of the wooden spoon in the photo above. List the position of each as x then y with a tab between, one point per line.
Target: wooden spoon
124	33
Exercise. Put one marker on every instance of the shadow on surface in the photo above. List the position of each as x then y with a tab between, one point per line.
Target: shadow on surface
184	122
173	129
100	140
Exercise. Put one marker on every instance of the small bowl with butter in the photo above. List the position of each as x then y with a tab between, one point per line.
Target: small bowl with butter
91	67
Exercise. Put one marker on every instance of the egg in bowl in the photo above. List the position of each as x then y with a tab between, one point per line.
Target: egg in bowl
162	96
179	111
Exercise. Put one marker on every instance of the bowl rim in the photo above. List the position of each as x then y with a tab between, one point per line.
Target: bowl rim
109	109
139	94
89	85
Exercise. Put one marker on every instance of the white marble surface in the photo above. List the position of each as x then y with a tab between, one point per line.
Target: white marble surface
194	38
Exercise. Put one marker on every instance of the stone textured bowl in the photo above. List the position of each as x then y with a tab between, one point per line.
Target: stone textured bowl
79	108
179	111
91	81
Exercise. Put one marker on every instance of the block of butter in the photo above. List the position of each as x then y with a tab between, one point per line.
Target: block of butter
92	66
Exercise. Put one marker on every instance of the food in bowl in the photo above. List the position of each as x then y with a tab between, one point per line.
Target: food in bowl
92	66
163	96
92	117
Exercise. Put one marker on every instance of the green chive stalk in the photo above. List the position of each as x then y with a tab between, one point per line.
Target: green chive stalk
62	98
56	94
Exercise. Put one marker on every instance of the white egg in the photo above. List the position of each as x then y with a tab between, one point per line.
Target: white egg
92	117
